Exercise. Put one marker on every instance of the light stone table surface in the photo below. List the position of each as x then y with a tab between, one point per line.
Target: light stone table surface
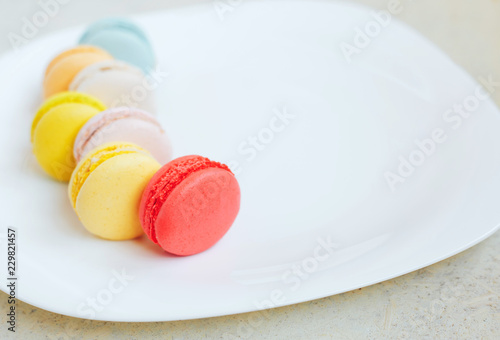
457	298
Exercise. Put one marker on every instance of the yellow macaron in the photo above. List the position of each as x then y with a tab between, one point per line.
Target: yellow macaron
55	127
63	68
106	186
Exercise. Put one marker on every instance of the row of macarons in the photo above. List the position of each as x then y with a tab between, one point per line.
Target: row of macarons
112	62
122	181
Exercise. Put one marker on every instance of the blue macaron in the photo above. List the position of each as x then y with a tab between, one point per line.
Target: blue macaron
123	39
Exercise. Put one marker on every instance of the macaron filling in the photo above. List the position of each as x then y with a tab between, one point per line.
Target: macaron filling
167	183
106	118
96	159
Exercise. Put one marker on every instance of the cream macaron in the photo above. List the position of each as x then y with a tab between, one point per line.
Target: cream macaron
116	83
106	186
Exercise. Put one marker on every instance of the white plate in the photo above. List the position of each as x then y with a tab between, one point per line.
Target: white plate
321	177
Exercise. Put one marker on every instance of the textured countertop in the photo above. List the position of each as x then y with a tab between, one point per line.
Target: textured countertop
456	298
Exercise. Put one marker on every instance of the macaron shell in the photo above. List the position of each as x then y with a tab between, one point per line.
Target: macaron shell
145	134
150	190
116	87
108	201
73	51
61	73
93	160
61	99
54	136
123	42
198	212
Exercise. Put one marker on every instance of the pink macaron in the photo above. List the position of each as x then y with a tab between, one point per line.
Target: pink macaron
124	124
189	205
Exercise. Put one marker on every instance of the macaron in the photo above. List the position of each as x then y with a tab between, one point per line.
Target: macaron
124	124
115	83
63	68
189	204
55	127
106	187
123	39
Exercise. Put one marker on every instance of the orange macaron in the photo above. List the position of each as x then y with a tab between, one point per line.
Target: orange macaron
63	68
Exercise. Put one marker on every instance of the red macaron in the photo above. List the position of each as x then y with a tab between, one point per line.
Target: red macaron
189	204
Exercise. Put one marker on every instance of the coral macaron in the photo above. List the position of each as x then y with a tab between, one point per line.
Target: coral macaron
55	127
189	204
64	67
106	188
